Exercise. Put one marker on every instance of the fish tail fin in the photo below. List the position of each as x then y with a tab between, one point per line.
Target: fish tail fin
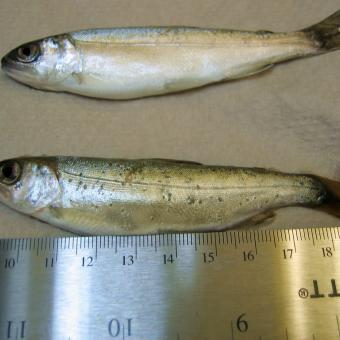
326	34
331	201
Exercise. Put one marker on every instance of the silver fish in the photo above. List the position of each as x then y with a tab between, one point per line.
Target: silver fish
124	63
107	196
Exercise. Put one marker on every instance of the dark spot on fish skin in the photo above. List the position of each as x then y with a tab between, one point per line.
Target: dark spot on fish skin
198	187
220	199
199	201
70	180
80	174
85	186
190	200
277	196
128	177
111	205
167	196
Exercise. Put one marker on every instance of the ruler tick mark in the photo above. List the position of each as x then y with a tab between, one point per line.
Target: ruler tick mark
215	245
313	238
287	334
337	322
136	254
18	253
255	245
176	250
232	330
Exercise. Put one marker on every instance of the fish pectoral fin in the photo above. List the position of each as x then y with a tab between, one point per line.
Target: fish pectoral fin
78	77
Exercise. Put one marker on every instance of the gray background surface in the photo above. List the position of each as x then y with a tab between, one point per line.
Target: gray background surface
287	118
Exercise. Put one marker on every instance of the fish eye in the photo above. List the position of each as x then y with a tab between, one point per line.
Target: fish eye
28	53
10	172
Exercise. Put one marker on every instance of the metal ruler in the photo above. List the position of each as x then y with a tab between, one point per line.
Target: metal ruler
266	284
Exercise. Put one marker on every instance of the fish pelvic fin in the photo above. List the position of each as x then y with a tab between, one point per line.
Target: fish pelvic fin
326	33
331	203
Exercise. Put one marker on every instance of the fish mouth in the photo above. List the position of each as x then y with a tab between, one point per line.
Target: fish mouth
9	66
17	71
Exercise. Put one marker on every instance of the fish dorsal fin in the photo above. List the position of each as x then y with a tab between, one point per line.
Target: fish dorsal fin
171	161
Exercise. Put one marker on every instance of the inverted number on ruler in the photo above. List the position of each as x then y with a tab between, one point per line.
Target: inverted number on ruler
9	263
304	292
16	330
117	327
50	262
241	325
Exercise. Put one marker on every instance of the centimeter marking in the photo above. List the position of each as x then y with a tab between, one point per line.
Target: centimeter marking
213	239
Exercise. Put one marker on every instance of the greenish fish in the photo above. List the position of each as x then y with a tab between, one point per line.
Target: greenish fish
124	63
124	197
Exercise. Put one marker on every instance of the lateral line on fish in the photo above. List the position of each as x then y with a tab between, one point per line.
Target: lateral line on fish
178	44
124	183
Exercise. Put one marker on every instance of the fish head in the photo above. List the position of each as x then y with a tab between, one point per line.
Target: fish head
44	63
29	185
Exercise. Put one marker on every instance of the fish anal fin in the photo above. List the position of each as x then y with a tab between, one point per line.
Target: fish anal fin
260	70
264	32
263	219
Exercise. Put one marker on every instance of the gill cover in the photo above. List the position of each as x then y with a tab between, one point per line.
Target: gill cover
44	63
28	185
